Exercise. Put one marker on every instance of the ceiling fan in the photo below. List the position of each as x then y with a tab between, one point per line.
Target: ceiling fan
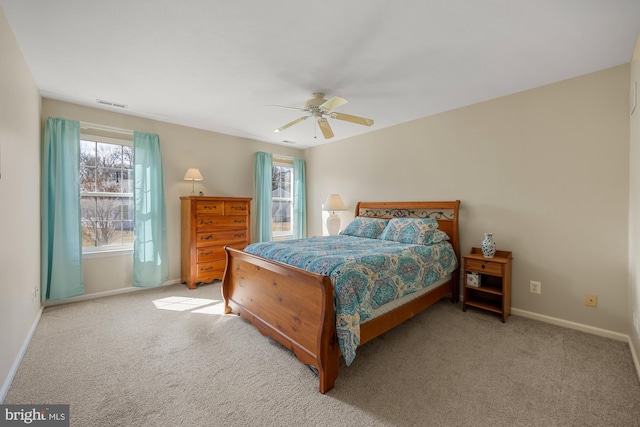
319	107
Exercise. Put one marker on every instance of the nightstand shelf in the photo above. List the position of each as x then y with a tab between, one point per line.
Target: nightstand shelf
485	306
494	290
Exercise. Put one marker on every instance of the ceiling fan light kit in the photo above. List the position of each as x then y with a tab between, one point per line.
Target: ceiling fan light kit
319	107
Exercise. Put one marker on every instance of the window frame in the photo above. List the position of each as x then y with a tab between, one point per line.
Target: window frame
106	250
287	163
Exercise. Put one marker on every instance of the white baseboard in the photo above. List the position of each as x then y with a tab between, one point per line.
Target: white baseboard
16	363
571	325
584	328
85	297
634	355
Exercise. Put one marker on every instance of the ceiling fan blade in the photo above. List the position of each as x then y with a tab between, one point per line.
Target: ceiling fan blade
353	119
289	108
333	103
296	121
325	128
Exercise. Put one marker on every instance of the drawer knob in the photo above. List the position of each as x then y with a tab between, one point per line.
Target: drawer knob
483	267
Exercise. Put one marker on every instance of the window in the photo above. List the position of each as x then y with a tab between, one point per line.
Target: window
106	193
282	200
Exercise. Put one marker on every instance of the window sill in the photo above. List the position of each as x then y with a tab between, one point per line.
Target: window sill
108	253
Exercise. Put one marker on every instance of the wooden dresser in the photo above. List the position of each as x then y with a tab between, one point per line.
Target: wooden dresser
208	225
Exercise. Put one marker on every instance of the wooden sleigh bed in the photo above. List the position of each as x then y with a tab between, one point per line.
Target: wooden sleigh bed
296	307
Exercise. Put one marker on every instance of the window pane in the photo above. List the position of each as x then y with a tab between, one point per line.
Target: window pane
127	157
282	197
88	153
115	237
87	179
109	155
127	181
108	214
127	209
108	180
88	209
127	232
88	234
127	223
281	216
281	184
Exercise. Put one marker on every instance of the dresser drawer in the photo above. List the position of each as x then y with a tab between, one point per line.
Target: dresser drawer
207	269
221	237
236	208
209	207
210	253
215	222
484	267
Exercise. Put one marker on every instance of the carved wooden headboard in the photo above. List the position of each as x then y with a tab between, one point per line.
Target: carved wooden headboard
445	212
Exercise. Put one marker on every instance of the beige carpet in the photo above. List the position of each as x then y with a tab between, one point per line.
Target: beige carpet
168	357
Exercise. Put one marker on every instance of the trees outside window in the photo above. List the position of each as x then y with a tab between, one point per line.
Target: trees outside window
106	194
282	200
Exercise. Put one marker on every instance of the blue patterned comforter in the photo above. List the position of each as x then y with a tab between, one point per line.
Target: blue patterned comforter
366	273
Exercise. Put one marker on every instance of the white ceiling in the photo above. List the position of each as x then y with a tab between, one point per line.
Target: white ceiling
217	65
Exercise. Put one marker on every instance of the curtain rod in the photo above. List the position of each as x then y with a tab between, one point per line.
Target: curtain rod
105	128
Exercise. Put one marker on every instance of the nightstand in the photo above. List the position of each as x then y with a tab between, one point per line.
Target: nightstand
487	282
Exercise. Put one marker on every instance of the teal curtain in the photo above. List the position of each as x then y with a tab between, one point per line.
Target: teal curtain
150	266
263	174
61	246
299	200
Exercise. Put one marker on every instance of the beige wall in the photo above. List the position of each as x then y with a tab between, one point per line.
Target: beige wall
634	209
19	201
545	170
226	163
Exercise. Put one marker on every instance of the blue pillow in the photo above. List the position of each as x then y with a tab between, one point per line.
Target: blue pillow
365	227
417	231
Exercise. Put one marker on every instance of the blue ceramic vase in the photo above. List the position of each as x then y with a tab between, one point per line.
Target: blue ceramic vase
488	246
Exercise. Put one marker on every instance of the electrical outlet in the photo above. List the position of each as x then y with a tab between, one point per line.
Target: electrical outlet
591	300
535	287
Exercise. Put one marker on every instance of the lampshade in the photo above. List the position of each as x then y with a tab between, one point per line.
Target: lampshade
334	203
193	175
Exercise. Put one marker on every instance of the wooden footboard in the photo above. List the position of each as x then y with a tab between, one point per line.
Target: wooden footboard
289	305
295	307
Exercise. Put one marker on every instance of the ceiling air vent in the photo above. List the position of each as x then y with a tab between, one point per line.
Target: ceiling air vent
110	103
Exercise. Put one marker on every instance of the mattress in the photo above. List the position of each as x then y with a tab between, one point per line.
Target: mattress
392	305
